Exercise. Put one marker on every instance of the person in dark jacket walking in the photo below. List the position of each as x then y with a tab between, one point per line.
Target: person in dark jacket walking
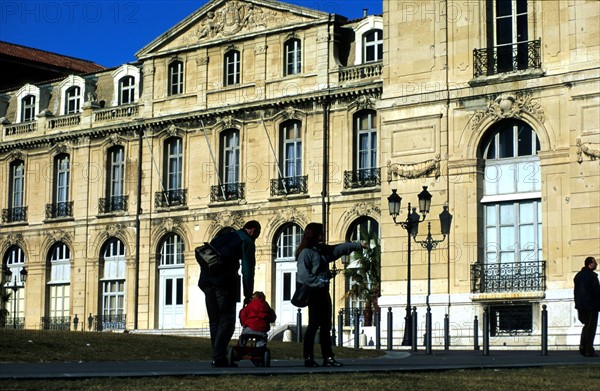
256	318
313	259
221	292
587	303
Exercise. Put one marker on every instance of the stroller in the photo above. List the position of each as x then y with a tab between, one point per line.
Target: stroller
252	345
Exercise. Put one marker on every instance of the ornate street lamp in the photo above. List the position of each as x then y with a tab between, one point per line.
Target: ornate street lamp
411	225
429	243
8	274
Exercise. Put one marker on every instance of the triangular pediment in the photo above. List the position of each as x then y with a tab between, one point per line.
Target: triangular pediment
224	20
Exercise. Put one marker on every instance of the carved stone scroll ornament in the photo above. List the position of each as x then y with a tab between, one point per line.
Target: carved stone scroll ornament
583	149
225	219
414	170
362	209
509	105
288	215
56	236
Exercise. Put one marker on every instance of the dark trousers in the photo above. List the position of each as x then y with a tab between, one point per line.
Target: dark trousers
590	323
220	305
319	318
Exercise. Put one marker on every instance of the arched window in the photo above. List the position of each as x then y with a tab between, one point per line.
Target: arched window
171	251
512	194
112	282
14	260
59	288
126	90
286	241
28	108
373	46
293	57
72	100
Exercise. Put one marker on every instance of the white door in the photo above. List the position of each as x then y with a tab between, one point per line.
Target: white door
171	298
286	285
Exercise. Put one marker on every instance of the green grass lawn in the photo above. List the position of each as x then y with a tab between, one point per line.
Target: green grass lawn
48	346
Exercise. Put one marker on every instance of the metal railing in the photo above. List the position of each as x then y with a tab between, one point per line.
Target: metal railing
113	204
59	209
366	177
507	58
110	322
55	322
14	215
227	192
169	198
508	277
289	185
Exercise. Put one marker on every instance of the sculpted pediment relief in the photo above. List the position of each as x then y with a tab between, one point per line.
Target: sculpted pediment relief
220	20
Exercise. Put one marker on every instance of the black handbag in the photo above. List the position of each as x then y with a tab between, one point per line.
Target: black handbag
301	295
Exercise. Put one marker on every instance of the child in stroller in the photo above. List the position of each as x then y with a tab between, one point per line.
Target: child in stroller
256	318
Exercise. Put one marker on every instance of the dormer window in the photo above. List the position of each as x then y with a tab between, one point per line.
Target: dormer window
373	46
28	108
72	100
126	90
126	82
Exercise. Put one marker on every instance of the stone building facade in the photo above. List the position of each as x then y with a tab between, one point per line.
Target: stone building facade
286	115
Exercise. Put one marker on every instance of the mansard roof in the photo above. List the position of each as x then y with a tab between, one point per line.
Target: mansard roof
221	21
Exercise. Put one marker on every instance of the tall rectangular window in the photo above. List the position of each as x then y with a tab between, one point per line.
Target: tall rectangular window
293	57
62	177
232	68
366	141
176	78
230	160
117	171
508	33
174	160
17	184
292	149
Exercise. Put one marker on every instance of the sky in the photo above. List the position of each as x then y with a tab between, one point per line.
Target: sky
110	32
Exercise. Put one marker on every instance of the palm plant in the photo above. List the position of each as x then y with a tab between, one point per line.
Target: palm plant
364	273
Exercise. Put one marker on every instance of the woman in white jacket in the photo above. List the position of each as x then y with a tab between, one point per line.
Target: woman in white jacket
313	259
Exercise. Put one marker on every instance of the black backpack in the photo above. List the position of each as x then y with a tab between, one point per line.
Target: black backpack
221	255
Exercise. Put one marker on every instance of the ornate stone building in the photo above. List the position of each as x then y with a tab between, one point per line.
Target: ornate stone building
264	110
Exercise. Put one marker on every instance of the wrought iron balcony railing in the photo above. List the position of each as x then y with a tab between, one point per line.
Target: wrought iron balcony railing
289	185
111	322
59	209
56	322
366	177
169	198
507	58
14	215
227	192
113	204
508	277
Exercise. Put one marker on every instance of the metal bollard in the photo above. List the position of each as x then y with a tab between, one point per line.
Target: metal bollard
446	332
476	333
378	329
299	326
428	331
414	330
486	332
390	325
544	331
356	328
340	326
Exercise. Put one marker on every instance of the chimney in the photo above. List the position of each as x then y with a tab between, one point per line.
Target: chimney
365	11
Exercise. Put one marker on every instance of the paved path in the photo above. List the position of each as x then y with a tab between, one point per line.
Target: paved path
394	361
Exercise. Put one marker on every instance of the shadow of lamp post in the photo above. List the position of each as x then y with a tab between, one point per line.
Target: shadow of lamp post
429	243
8	277
411	226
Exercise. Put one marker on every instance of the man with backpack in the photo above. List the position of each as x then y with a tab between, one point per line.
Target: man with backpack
221	289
